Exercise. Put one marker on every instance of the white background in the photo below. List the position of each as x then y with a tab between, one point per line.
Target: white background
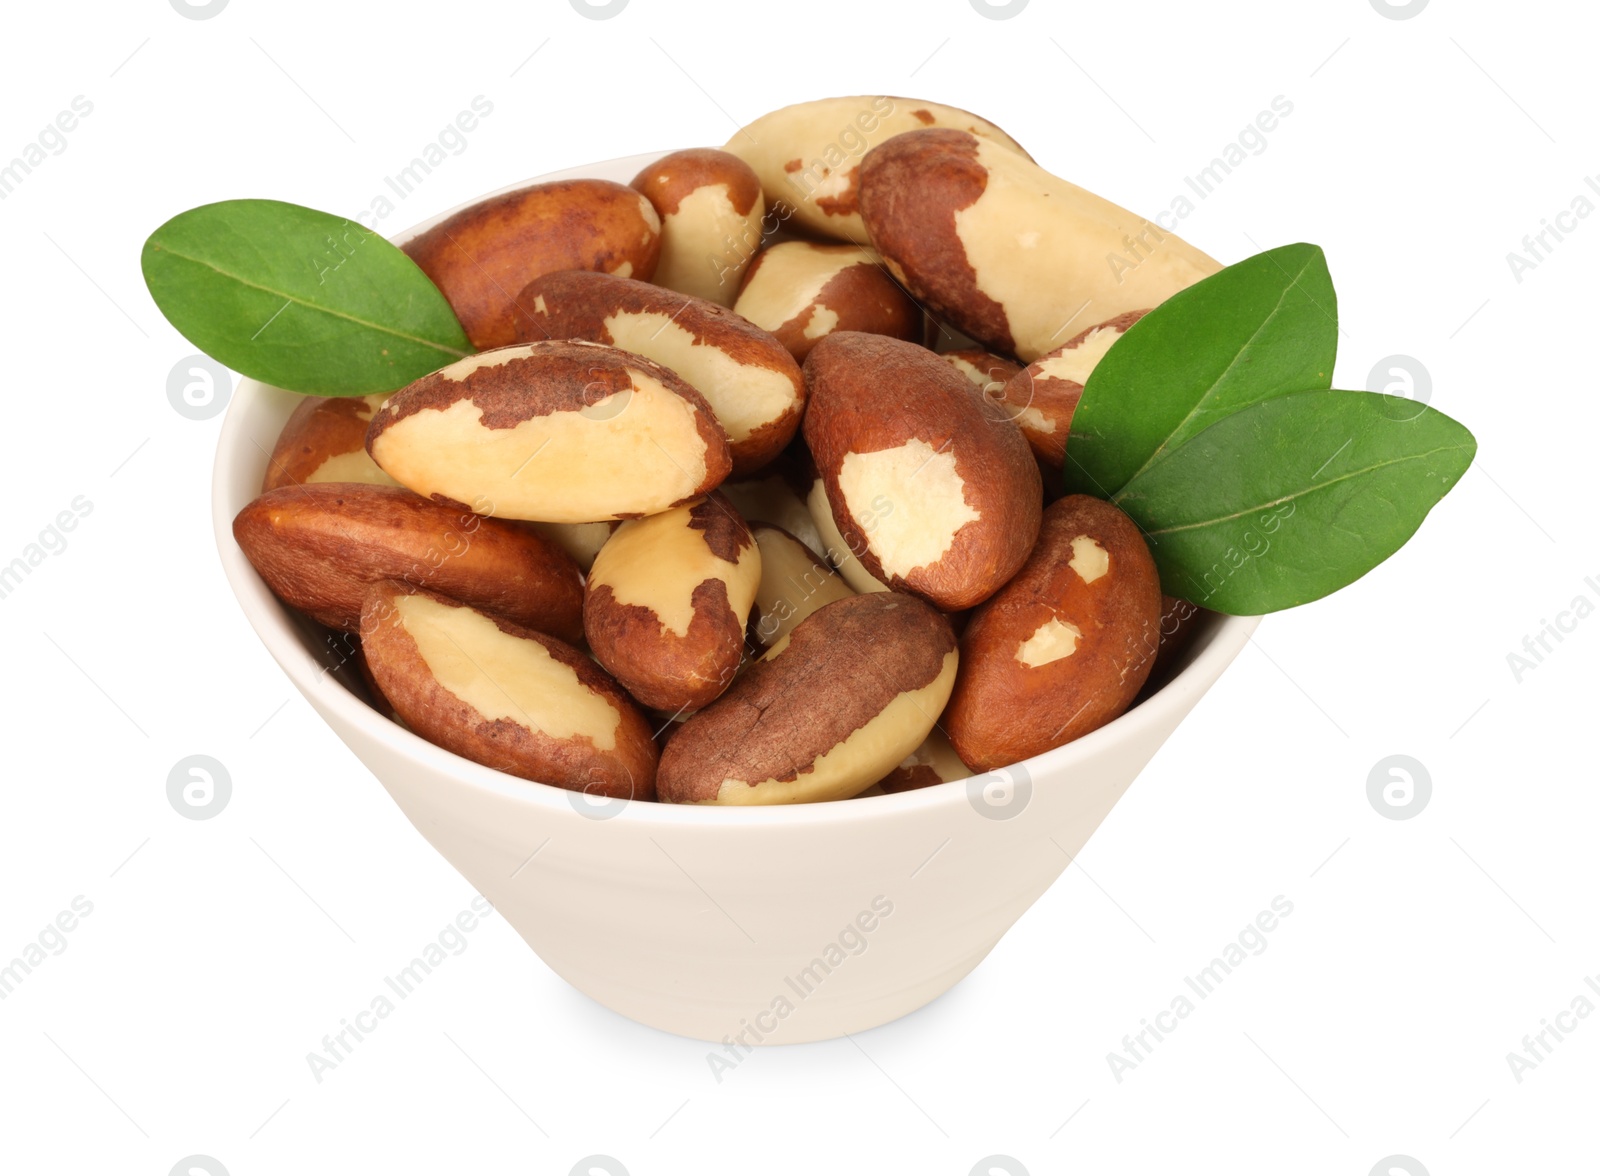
1419	952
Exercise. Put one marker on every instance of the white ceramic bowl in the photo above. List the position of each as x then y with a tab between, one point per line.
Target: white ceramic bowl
785	924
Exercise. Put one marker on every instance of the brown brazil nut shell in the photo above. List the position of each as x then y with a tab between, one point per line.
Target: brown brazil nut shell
318	546
801	292
667	602
854	690
933	489
380	703
553	432
808	154
711	208
750	380
480	257
504	695
325	440
1007	252
1044	395
795	582
1064	647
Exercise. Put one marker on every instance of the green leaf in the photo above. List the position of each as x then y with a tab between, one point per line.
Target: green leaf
1258	329
1293	498
300	299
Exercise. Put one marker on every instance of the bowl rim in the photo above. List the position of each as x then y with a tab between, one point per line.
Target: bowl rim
277	630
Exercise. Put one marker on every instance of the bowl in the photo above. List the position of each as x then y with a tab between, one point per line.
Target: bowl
777	924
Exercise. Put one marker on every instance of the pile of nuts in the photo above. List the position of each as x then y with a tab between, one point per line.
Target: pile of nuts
781	525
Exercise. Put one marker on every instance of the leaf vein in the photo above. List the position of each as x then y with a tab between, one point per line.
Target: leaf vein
312	306
1206	396
1315	489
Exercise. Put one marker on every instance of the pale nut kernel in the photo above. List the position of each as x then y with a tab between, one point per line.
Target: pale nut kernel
802	292
325	440
777	495
808	155
933	762
504	695
711	209
667	603
838	552
749	379
992	243
795	582
561	431
931	488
